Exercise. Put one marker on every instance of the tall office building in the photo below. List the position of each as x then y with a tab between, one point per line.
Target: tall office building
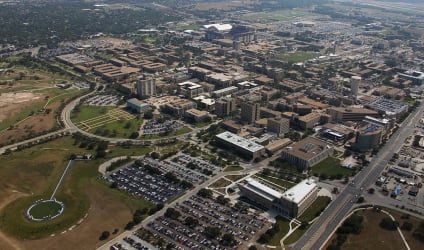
225	106
354	85
250	112
146	87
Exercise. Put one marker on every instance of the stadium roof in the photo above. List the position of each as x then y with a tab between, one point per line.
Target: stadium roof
219	27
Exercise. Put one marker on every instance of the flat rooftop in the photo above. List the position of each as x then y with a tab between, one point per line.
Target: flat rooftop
307	148
297	193
241	142
262	190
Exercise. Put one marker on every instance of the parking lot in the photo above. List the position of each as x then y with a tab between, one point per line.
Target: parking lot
244	225
142	183
81	85
103	100
180	166
153	127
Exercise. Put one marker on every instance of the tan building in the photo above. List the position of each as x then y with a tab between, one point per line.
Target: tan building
146	87
307	152
280	126
225	106
339	114
197	115
250	112
309	121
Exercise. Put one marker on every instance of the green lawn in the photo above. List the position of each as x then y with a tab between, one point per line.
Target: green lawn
35	171
233	168
44	209
181	131
279	15
297	56
331	167
284	226
295	236
118	129
315	209
131	151
277	181
86	112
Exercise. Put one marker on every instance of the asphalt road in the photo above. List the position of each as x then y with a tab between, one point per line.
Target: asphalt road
327	223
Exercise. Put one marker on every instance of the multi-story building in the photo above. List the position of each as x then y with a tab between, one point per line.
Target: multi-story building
225	106
190	89
246	147
307	152
290	204
339	114
250	112
280	126
309	121
146	87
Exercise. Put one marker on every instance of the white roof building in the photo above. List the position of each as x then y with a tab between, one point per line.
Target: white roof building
219	27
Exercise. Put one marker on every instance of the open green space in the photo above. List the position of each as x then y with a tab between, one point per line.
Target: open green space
178	132
279	15
44	209
220	183
279	182
297	56
118	129
233	168
129	151
284	227
193	26
295	236
315	209
331	167
85	112
35	172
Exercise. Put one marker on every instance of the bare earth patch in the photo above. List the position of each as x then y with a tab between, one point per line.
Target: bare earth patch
9	101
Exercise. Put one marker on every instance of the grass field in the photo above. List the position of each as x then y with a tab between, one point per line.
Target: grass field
315	209
284	226
331	167
297	56
86	112
106	121
44	209
233	168
277	181
279	15
35	172
220	183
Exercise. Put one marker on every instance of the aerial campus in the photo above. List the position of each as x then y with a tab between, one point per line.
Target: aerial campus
211	124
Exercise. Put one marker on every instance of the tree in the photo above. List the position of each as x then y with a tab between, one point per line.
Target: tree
407	226
335	190
360	199
172	213
191	222
222	200
389	224
134	135
371	190
148	114
212	232
205	193
154	155
228	240
104	235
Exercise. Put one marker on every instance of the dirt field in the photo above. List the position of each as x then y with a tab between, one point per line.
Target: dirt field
10	103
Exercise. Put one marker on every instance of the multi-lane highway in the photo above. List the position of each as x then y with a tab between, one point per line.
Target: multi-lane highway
328	222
